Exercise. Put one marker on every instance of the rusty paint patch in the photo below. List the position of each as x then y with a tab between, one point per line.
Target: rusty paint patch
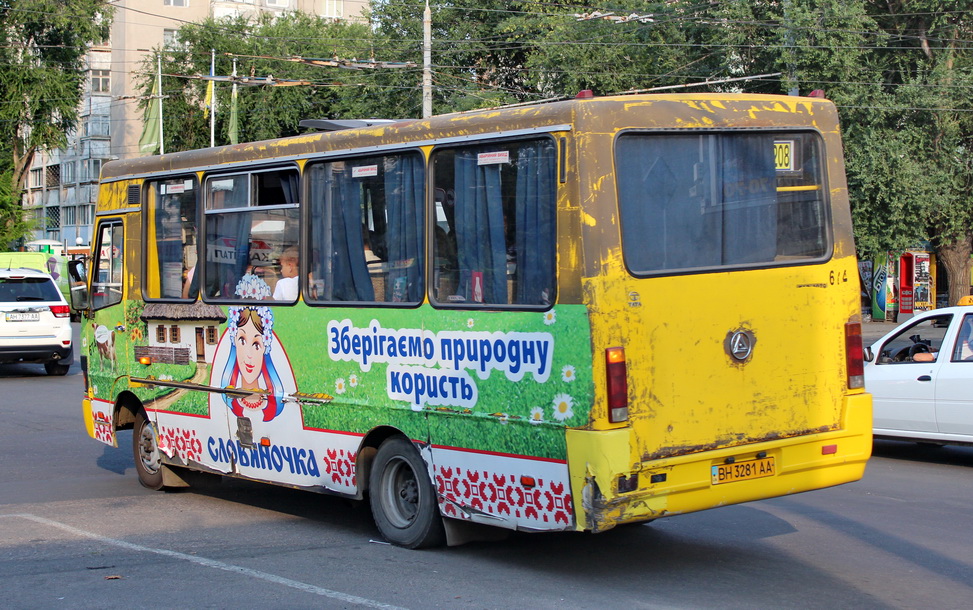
728	442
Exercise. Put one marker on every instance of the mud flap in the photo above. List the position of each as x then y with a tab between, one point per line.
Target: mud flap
459	532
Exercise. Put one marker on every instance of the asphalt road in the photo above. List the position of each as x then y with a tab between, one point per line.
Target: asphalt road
77	531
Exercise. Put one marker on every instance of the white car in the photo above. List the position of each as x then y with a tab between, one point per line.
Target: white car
35	323
921	378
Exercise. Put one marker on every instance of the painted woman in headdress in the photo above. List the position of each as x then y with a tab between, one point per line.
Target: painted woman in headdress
249	364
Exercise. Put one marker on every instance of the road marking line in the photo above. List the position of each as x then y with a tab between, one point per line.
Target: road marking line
211	563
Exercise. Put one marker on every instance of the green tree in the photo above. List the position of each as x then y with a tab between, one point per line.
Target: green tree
910	146
43	46
266	50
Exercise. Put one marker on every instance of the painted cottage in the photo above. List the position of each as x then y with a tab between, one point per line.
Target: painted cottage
180	334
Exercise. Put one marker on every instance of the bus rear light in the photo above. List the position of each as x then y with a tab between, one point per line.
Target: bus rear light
829	449
854	364
616	373
145	360
60	311
527	481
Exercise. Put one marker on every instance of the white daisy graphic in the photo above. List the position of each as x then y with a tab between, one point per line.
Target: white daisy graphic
550	317
567	373
469	323
536	415
562	407
353	380
339	386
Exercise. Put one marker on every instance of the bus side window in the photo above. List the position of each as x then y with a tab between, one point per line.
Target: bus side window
106	287
495	225
251	219
367	227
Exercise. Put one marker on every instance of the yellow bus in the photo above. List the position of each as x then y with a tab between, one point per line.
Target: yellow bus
552	317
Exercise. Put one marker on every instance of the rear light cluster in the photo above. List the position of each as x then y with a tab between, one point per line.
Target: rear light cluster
854	362
616	372
60	311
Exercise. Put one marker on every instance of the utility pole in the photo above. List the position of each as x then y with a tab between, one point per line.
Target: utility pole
426	62
789	43
162	140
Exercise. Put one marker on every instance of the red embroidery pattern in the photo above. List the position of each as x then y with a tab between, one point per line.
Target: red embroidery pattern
548	503
340	466
104	430
181	443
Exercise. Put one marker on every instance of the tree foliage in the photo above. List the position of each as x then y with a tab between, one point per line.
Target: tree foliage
899	72
261	49
43	45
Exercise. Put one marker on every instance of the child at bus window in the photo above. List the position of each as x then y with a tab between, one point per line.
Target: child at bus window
287	287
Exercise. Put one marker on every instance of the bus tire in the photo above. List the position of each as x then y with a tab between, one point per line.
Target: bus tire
403	500
148	458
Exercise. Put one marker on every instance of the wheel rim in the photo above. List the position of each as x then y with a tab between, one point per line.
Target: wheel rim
400	493
149	450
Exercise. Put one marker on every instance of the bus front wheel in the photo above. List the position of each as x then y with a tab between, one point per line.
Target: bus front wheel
402	497
148	459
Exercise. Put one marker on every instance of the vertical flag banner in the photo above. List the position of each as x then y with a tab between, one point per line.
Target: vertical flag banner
234	117
234	111
152	124
209	99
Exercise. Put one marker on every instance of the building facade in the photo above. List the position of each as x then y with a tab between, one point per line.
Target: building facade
62	185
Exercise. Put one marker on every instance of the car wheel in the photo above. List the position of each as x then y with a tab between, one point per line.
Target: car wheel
148	459
55	367
402	497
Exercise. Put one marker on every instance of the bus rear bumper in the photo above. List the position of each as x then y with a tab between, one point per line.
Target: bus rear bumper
613	492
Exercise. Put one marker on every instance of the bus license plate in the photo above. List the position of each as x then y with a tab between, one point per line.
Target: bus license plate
742	471
31	316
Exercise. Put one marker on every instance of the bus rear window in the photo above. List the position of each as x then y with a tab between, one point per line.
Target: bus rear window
715	200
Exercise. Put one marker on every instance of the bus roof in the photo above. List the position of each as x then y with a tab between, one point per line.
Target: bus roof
495	121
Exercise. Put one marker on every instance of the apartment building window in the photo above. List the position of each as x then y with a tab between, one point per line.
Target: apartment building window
53	218
86	214
170	38
175	3
90	170
70	215
101	81
278	3
96	125
67	172
333	9
53	175
36	178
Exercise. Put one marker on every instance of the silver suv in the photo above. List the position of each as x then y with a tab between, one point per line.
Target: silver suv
35	324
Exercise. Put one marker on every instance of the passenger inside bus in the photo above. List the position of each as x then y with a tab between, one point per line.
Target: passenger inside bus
287	287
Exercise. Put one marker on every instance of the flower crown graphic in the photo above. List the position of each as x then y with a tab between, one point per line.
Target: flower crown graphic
252	287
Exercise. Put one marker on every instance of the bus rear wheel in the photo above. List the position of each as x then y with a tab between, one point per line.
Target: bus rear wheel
148	459
402	497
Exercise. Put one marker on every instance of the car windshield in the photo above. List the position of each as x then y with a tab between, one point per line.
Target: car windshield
28	289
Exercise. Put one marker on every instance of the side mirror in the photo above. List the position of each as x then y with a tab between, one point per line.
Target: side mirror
79	285
867	354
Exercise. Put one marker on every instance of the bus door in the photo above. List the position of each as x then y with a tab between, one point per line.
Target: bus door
106	335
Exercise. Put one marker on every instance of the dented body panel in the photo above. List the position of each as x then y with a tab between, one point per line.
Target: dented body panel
692	404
